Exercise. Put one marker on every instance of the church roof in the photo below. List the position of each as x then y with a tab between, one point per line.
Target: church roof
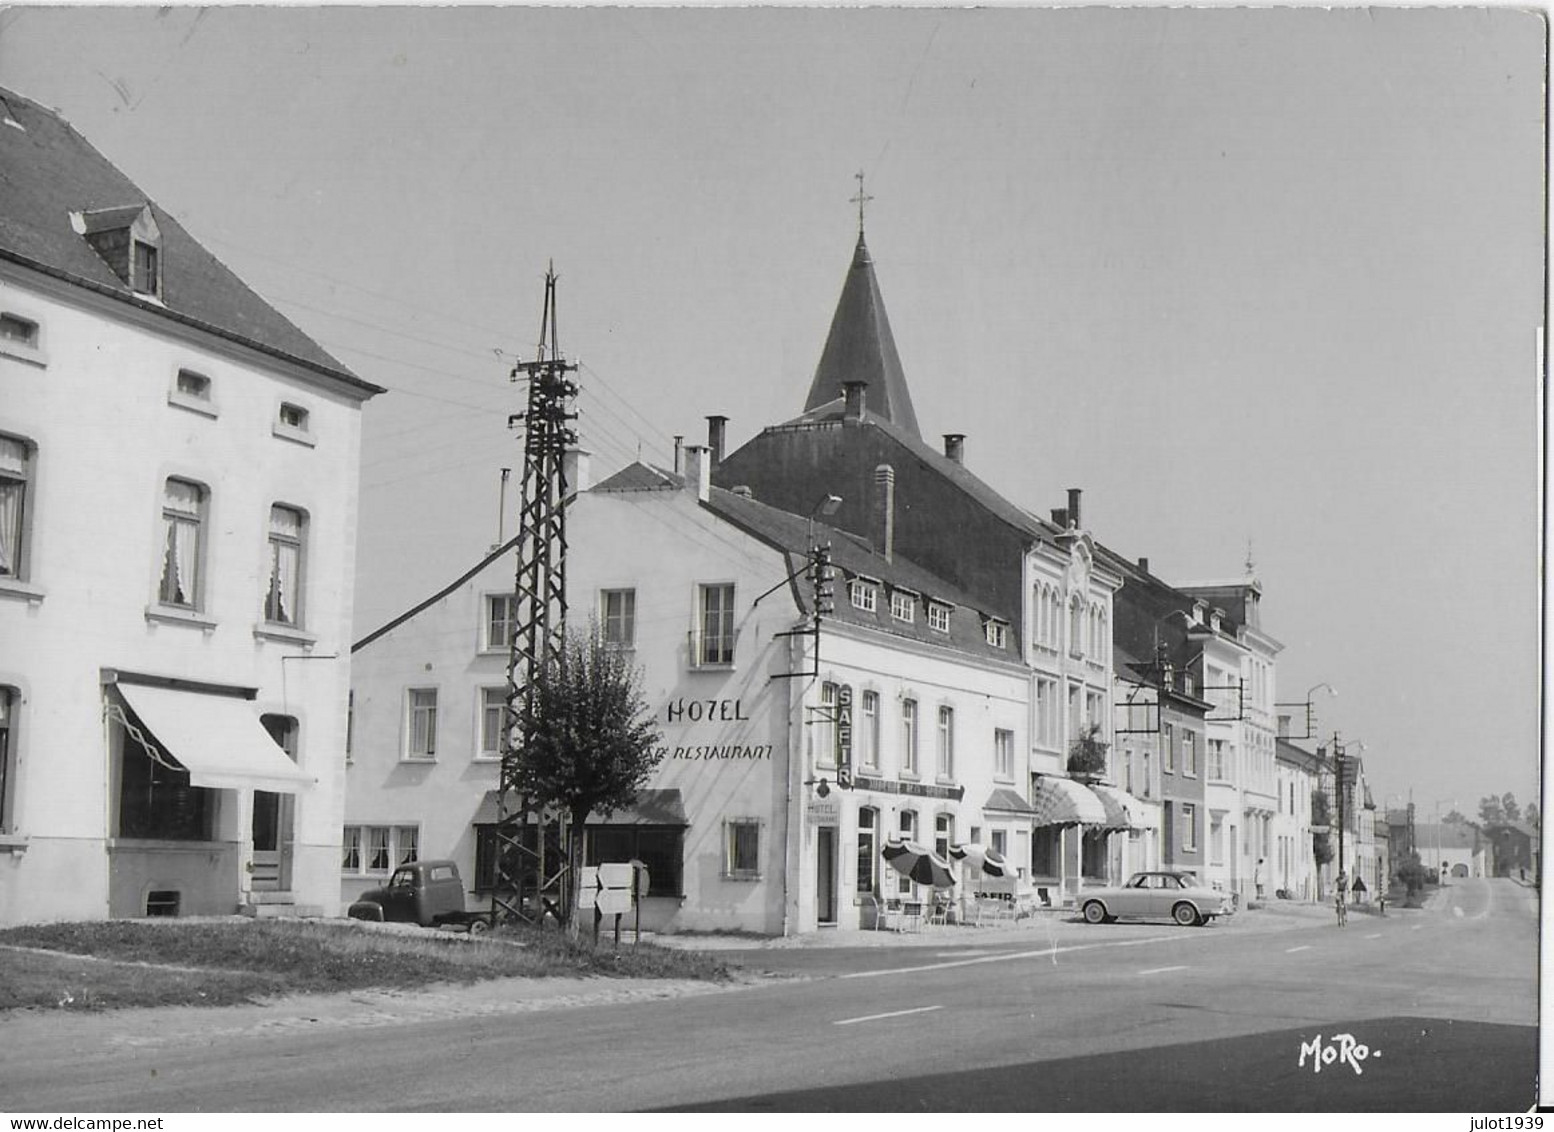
860	347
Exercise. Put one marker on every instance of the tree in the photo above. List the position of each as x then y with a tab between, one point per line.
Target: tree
1456	817
1531	816
1413	874
589	743
1087	756
1490	810
1508	805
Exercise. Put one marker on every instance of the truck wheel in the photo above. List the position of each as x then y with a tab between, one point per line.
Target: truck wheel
366	910
479	927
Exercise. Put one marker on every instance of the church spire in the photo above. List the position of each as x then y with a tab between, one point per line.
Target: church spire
860	346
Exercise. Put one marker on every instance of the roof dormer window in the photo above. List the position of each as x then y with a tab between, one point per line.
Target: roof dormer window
939	616
129	242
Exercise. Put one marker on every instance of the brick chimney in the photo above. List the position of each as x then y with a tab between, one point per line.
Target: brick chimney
698	470
885	510
716	428
955	446
679	455
852	394
1060	518
1144	565
1073	506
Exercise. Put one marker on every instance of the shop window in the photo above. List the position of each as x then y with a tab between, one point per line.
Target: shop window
156	799
657	847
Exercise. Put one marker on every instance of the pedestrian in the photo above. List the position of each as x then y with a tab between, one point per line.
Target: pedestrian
1257	878
1340	895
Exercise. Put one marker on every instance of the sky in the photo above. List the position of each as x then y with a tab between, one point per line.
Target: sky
1257	281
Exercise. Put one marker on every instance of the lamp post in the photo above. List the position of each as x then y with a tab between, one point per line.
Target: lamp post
1440	872
1311	711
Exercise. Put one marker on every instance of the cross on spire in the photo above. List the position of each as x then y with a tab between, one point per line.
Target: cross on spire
860	200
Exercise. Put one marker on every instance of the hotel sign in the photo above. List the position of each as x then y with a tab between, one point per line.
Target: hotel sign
844	726
911	789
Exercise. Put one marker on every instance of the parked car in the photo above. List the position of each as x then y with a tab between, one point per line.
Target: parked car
1157	896
429	893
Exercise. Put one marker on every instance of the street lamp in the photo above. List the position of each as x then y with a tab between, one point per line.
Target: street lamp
1311	712
1440	872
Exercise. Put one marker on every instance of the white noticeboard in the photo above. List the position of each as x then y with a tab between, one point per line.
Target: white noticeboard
614	892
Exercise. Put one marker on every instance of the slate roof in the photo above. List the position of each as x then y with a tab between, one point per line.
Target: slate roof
860	347
48	171
854	557
638	476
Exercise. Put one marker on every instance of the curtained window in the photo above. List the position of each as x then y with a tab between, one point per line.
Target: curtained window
282	599
183	518
15	481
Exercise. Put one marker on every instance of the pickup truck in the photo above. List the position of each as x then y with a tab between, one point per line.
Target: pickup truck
429	893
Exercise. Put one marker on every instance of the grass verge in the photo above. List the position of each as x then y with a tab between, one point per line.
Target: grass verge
128	963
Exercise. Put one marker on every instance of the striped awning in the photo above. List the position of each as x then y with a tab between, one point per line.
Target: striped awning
1123	810
1062	801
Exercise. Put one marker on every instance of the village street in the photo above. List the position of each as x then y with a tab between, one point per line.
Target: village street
1055	1014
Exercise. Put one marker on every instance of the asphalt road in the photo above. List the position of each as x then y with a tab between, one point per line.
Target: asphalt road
1065	1017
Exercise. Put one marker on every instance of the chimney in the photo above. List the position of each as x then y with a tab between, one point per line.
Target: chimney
575	469
1073	505
955	446
885	510
1060	517
716	428
698	470
679	455
852	394
1144	565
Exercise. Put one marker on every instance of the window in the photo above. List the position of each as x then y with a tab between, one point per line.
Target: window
195	386
493	706
945	747
1167	748
1000	842
422	732
864	594
156	799
943	835
867	733
903	605
1127	766
501	615
293	416
908	827
822	728
742	849
1046	851
1217	759
1076	627
1217	840
1046	712
618	613
283	599
1190	753
146	279
183	521
14	328
1148	779
9	701
868	850
16	461
1003	753
715	642
1189	826
938	617
908	736
378	849
997	633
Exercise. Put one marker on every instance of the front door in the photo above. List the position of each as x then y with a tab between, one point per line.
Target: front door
825	880
272	841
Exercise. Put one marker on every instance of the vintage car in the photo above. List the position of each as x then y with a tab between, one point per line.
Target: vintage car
429	893
1157	896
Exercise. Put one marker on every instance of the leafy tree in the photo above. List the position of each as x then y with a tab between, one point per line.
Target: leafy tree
1413	874
1321	814
1087	755
1508	805
1490	810
590	744
1456	817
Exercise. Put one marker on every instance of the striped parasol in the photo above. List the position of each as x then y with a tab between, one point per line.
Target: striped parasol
990	861
917	863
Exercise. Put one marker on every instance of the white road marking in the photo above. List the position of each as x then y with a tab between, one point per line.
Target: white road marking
1162	970
1302	947
1374	935
892	1014
1416	927
1042	953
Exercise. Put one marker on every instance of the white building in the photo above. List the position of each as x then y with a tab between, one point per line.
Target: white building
761	817
178	470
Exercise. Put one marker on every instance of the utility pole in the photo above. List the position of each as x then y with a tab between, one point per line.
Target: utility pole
539	613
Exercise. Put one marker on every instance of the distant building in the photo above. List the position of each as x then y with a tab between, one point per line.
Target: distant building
1299	775
178	480
1453	849
1516	849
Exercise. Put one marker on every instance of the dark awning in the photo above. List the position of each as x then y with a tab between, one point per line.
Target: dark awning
654	807
1062	801
1007	801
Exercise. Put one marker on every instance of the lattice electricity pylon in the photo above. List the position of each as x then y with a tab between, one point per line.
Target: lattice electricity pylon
538	617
